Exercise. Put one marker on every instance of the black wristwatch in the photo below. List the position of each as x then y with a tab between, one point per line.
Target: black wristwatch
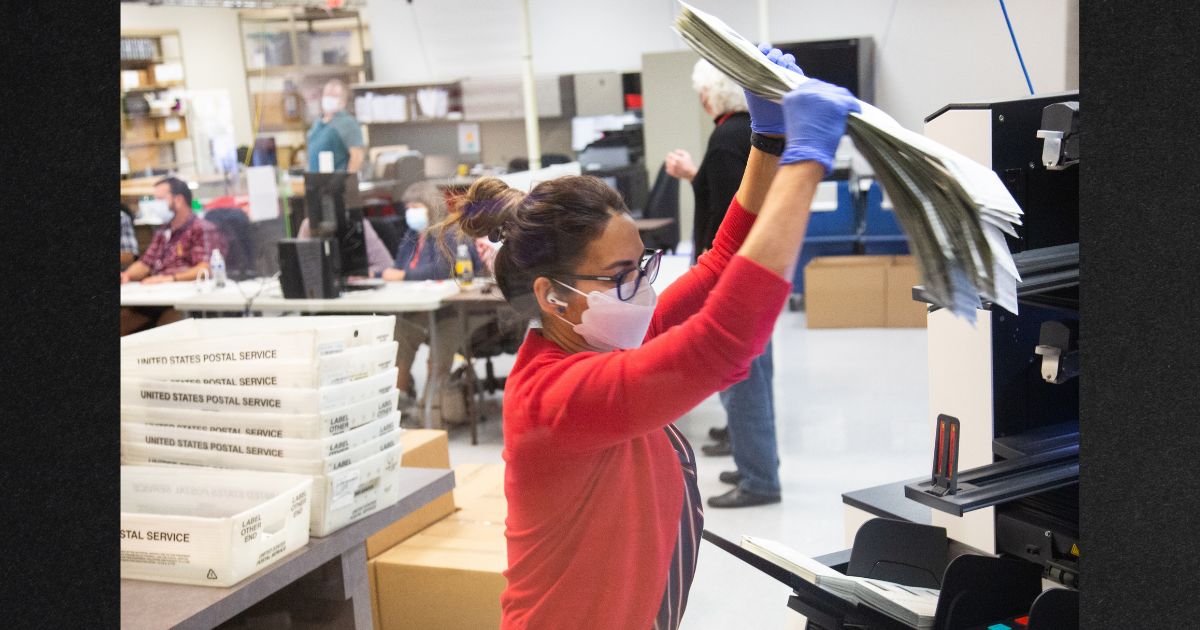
766	144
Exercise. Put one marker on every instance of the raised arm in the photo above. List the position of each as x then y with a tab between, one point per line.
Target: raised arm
648	387
687	295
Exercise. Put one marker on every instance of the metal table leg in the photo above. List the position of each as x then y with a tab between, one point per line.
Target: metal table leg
431	377
469	356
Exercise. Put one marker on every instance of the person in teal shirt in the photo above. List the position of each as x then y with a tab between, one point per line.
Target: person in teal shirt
336	131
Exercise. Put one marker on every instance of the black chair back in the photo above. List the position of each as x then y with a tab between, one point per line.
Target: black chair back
663	203
389	228
238	249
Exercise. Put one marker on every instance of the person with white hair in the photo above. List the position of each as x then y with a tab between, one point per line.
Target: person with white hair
717	178
749	404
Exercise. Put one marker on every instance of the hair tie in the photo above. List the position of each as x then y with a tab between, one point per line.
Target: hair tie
498	233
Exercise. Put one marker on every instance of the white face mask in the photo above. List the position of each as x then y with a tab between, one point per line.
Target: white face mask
331	104
610	324
158	209
416	218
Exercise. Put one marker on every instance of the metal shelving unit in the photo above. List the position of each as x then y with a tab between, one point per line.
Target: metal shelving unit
141	145
283	83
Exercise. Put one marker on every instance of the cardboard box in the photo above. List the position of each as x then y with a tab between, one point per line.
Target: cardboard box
450	576
140	130
425	448
171	128
902	310
846	291
474	481
420	448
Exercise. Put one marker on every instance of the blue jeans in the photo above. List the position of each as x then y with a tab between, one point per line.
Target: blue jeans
750	409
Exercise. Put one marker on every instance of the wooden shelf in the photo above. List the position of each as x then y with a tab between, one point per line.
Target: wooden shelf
148	143
308	15
420	122
141	62
378	86
152	88
285	71
129	116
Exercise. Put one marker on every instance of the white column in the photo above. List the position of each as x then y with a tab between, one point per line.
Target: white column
532	140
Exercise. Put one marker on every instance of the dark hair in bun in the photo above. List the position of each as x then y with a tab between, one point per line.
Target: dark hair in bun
545	232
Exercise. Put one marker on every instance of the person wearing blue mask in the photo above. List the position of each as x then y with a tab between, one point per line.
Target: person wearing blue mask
423	257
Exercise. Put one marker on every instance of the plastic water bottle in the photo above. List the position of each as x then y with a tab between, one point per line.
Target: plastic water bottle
464	269
217	264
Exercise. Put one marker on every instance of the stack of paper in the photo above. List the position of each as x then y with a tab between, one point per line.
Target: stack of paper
953	210
911	605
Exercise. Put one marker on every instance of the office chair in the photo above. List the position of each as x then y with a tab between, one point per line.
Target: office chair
238	246
663	203
501	334
389	228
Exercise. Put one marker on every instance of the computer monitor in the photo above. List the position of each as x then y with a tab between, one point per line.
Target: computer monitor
264	152
334	210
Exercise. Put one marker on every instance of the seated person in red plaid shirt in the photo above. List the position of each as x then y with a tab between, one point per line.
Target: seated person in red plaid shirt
177	253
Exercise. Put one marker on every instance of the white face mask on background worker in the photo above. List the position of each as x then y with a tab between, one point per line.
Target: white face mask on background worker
331	104
416	217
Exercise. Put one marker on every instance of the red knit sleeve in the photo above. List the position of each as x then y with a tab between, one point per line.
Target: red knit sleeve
686	295
591	400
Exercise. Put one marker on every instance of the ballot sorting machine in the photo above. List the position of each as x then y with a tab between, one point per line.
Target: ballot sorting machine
1004	389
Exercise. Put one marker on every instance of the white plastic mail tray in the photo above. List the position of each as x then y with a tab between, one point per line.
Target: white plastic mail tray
349	365
355	492
209	527
225	341
147	393
205	440
272	461
281	425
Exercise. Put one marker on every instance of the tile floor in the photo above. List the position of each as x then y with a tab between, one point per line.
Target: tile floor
851	409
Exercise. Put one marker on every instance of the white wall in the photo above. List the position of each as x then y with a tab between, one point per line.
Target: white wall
929	52
212	55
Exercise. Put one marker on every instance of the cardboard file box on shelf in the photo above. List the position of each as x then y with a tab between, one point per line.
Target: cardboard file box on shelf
420	448
139	130
902	310
171	128
846	291
448	576
209	527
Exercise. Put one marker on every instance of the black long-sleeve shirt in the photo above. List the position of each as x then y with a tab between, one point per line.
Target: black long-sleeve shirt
719	175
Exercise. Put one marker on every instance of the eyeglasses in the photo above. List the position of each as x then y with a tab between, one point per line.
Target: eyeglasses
647	268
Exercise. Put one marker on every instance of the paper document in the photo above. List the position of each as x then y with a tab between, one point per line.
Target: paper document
912	605
953	210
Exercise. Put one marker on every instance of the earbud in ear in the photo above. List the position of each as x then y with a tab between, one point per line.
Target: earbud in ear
553	299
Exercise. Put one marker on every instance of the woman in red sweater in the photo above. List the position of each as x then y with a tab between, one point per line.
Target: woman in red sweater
604	514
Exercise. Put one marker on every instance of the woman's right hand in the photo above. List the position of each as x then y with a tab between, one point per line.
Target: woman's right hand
815	115
392	274
680	165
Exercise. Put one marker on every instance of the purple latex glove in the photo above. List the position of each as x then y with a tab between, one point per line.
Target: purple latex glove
815	114
765	116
